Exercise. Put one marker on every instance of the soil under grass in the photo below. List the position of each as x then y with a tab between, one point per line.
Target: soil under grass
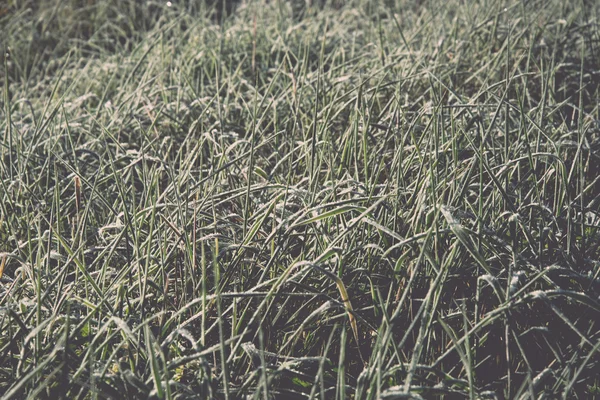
288	199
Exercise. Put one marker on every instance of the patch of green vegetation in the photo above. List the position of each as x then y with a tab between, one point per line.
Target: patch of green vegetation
361	199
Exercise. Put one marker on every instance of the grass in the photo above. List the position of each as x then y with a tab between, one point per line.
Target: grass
368	199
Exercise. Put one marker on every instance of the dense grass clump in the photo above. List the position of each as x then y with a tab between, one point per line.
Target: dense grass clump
271	199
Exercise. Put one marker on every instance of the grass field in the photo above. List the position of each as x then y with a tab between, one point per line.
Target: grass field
385	199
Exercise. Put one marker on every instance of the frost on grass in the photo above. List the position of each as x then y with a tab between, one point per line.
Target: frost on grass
299	199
